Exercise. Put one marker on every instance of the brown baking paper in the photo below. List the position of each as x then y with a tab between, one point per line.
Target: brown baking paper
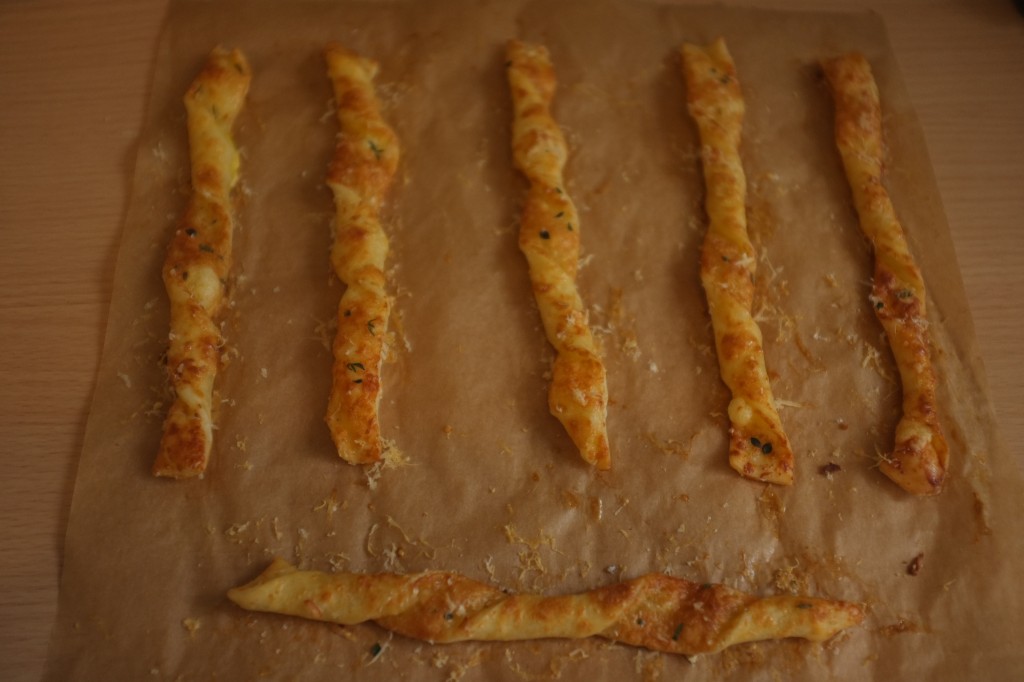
492	486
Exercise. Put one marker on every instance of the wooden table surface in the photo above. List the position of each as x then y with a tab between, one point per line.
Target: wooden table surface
74	80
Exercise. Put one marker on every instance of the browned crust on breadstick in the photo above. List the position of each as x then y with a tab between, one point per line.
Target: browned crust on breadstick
920	457
758	445
198	262
364	164
549	237
655	611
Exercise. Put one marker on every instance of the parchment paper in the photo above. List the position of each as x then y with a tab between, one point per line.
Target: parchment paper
493	486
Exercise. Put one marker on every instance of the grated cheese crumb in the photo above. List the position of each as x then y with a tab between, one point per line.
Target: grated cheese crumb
192	625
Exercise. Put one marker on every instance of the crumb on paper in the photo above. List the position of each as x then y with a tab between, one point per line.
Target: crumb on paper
337	560
127	380
648	664
915	564
667	447
235	530
901	626
791	579
827	470
872	358
378	649
191	625
489	567
630	346
329	504
391	458
324	331
448	430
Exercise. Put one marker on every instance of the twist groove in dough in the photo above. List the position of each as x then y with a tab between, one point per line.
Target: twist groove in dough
758	445
920	457
655	611
364	164
198	262
549	237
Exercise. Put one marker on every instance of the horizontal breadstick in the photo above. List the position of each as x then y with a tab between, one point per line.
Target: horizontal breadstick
920	457
198	262
655	611
758	445
364	164
549	237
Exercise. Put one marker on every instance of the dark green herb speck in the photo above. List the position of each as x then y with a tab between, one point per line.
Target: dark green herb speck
206	248
375	650
544	234
369	325
679	631
190	232
375	149
755	442
356	365
803	605
560	214
766	448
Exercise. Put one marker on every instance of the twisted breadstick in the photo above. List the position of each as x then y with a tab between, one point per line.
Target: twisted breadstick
918	461
549	237
655	611
758	446
198	261
364	163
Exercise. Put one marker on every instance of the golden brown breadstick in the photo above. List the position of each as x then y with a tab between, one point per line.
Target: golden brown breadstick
919	460
758	446
549	237
364	163
198	262
655	611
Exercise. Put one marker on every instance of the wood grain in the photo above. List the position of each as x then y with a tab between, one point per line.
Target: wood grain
74	79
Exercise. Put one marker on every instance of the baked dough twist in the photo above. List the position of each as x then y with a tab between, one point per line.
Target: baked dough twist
920	457
198	262
655	611
758	446
364	164
549	237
